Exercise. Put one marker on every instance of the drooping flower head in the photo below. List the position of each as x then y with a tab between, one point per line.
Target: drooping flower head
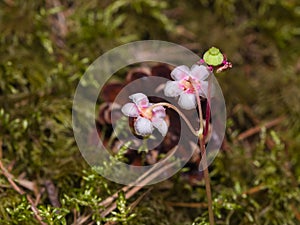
146	117
186	81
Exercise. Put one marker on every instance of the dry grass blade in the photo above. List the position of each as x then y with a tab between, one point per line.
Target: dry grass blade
141	184
110	199
10	179
188	204
257	129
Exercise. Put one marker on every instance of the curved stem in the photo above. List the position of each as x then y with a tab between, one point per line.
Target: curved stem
180	114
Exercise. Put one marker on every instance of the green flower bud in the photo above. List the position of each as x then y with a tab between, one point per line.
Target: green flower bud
213	57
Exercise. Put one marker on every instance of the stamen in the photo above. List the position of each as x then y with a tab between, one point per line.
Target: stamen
146	113
187	86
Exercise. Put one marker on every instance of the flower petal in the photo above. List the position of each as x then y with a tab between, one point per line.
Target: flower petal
172	89
187	101
199	72
143	126
161	126
203	91
140	100
159	112
130	109
180	72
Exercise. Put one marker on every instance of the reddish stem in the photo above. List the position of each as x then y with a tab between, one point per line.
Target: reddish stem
207	119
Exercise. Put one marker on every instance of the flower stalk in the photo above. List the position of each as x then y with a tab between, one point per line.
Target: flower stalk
201	135
201	141
205	171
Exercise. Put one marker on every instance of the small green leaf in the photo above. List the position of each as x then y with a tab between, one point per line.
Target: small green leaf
213	57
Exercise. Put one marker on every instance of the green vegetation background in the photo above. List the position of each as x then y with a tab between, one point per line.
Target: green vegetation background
45	47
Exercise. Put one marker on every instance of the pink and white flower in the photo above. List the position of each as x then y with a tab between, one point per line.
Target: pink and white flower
147	117
185	82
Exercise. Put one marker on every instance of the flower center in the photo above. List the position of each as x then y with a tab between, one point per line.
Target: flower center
187	86
146	113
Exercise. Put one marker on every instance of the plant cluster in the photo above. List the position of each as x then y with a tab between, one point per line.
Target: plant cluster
46	46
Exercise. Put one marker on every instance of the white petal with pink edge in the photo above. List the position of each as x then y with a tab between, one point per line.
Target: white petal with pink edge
160	125
199	72
187	101
159	112
172	89
203	91
143	126
180	72
130	109
140	99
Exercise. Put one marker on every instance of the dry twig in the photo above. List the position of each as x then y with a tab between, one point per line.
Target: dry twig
10	179
257	129
110	199
188	204
140	184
